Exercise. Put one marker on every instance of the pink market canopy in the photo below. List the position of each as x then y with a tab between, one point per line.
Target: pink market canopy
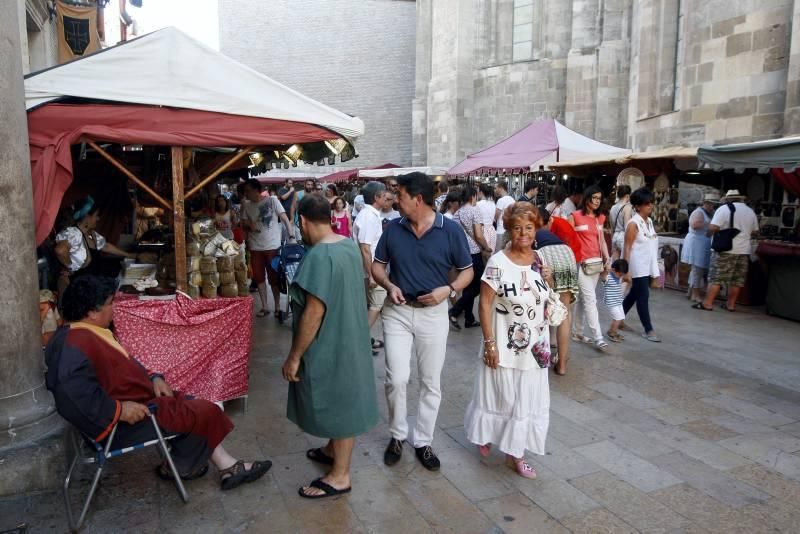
539	143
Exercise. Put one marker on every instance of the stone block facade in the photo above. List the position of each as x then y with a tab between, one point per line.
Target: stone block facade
357	56
643	74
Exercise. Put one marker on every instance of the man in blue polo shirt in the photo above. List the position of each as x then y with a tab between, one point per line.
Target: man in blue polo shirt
419	250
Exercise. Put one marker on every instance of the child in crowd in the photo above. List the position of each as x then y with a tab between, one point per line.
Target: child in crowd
613	297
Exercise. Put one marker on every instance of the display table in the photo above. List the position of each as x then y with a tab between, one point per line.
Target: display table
676	274
783	278
202	347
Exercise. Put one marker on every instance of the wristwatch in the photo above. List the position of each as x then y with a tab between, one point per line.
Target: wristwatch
453	292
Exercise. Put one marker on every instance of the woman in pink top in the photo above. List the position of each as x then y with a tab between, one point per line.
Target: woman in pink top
588	223
340	218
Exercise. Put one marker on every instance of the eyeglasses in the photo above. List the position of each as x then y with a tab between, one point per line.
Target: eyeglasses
393	185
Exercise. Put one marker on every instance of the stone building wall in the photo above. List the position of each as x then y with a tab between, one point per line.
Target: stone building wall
643	74
733	80
357	56
37	35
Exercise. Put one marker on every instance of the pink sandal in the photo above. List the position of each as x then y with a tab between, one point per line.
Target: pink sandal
522	467
484	450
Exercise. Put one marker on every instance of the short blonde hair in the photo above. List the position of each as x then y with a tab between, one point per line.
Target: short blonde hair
524	211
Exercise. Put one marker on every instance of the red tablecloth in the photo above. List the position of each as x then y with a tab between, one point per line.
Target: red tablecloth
201	346
777	248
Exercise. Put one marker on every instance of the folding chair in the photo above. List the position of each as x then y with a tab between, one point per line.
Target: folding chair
99	455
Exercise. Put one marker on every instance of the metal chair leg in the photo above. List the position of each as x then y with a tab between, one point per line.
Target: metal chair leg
176	476
67	503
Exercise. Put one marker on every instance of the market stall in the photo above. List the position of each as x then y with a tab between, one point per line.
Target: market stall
537	145
148	131
778	249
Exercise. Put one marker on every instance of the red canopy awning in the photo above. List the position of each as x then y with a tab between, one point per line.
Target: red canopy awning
352	174
53	128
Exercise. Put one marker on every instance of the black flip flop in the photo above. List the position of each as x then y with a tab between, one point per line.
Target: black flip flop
329	490
454	323
316	455
163	472
725	307
699	306
377	344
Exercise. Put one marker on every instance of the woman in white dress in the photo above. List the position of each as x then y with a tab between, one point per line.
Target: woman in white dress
510	404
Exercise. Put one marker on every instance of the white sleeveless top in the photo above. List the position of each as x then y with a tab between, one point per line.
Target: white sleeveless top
644	252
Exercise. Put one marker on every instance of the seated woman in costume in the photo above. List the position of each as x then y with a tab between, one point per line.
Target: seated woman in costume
78	245
97	385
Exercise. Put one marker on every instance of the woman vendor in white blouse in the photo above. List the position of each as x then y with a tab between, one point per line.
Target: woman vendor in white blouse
78	246
510	406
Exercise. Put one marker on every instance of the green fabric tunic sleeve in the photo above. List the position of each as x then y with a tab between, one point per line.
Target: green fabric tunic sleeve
315	274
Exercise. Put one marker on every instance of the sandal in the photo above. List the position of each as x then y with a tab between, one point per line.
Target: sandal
163	472
377	344
699	306
562	372
317	455
580	338
522	468
261	313
329	490
724	306
484	450
237	474
616	338
277	314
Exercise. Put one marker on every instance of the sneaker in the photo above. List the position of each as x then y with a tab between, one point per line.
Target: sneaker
427	458
393	453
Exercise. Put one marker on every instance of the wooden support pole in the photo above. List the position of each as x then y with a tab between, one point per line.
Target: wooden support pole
132	177
219	170
179	223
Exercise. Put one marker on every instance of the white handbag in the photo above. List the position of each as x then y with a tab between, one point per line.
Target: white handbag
556	310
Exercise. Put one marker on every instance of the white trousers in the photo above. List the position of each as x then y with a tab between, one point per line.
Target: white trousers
406	328
586	307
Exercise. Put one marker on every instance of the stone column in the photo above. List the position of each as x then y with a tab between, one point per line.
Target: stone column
582	67
791	124
28	422
419	106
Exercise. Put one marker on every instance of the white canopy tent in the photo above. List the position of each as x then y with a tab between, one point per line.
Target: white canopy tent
169	68
399	171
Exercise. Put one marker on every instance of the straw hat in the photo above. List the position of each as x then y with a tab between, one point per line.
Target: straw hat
711	197
733	194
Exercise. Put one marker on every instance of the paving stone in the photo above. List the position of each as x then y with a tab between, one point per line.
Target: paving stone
473	478
705	512
565	462
557	497
768	449
627	466
775	515
709	453
638	419
626	395
740	425
748	410
378	502
712	482
573	410
516	513
445	508
770	482
631	505
569	433
708	430
629	438
793	429
596	522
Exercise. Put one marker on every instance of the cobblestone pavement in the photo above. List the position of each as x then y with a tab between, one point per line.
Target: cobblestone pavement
700	433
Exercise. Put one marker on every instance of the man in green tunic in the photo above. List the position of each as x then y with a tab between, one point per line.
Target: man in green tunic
329	367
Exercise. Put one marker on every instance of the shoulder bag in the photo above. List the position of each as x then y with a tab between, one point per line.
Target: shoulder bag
593	266
723	239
